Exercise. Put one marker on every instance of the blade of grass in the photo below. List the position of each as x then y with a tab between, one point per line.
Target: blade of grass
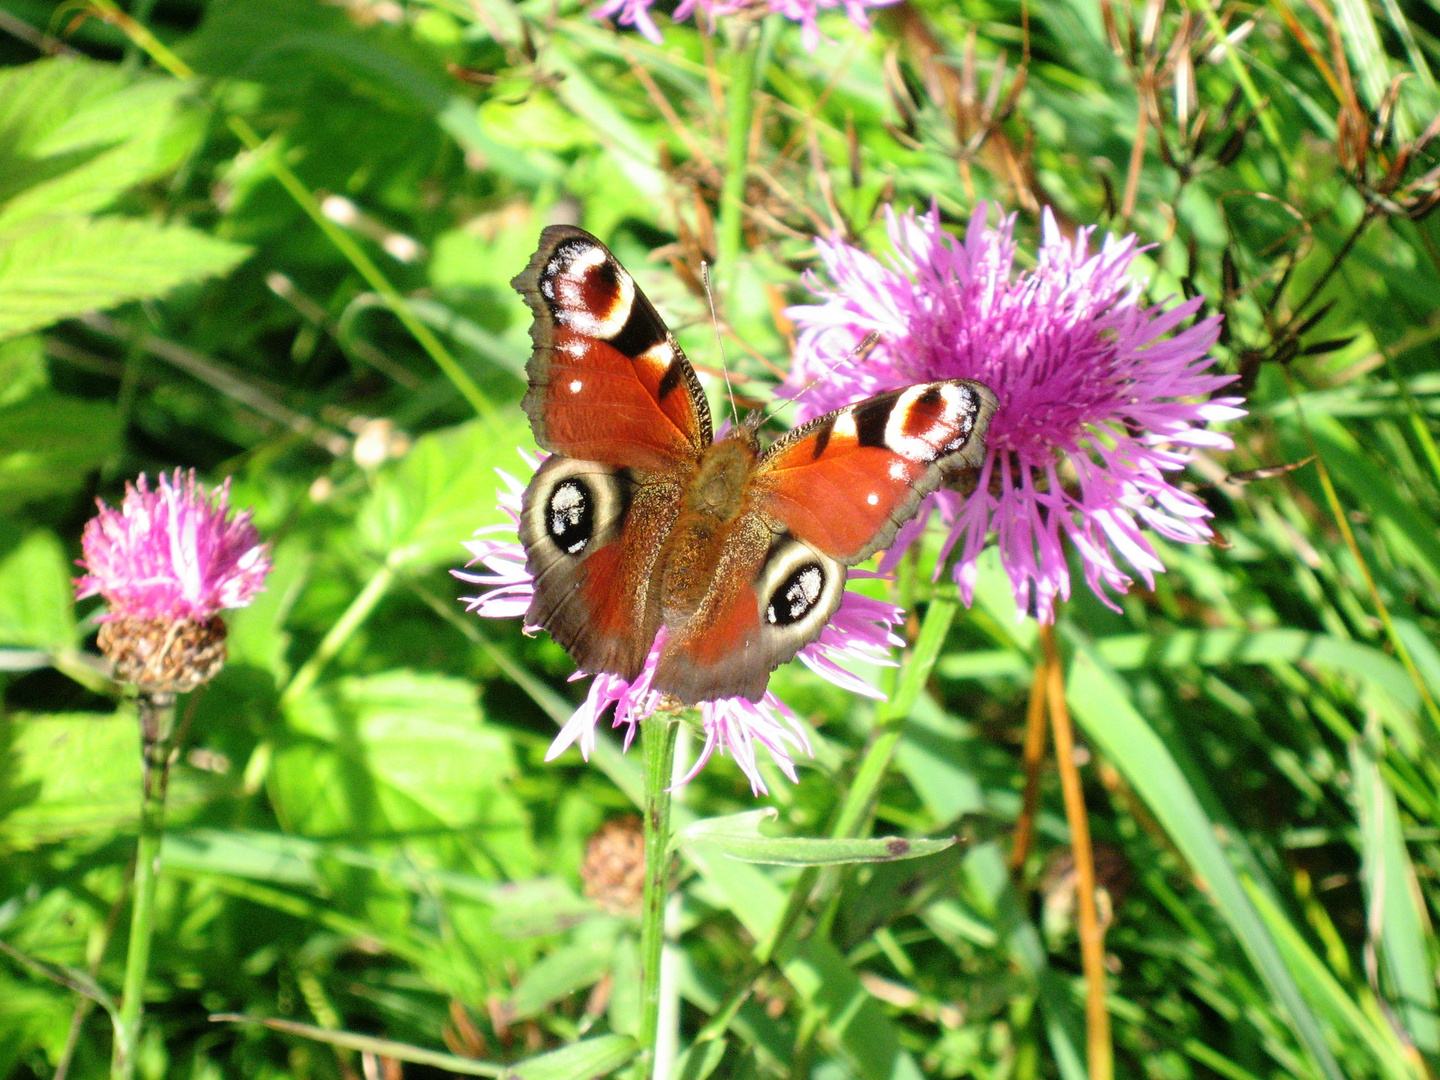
1104	709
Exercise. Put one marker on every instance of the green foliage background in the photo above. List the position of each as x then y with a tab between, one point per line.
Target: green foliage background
364	834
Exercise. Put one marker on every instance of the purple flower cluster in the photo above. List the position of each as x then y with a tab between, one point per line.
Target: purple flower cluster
860	630
636	13
172	553
1100	397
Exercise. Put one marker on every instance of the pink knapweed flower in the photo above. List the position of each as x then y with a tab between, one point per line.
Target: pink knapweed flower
859	631
636	13
1100	397
172	553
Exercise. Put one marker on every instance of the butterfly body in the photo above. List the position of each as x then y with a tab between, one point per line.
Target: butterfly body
642	528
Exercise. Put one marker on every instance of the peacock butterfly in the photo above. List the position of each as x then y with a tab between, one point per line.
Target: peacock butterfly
638	520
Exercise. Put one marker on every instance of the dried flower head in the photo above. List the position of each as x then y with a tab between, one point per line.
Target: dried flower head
613	872
167	562
859	631
1096	403
636	13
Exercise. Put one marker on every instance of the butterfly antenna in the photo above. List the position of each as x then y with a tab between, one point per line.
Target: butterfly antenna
719	340
859	352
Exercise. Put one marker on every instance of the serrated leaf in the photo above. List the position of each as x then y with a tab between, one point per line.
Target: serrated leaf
35	594
739	837
420	511
53	268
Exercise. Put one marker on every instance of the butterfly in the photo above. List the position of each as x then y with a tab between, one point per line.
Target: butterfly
639	521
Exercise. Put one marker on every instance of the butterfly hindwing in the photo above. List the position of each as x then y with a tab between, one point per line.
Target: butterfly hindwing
592	533
845	482
771	596
607	380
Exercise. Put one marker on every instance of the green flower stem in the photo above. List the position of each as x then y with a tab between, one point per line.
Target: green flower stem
350	621
891	715
657	737
157	723
859	797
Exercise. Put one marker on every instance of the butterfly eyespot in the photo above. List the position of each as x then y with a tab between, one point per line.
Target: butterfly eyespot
797	595
570	516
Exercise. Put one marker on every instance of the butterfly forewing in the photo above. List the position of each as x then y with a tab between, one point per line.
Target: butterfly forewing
607	380
845	482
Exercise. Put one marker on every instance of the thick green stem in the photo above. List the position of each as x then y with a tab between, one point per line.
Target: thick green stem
657	736
157	722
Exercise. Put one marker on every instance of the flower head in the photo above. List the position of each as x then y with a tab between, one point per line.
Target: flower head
636	13
167	562
860	630
1096	403
172	553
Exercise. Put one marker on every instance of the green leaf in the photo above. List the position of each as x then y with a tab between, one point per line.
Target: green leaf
22	369
35	594
55	267
399	751
559	974
50	443
445	488
739	837
1395	902
368	1044
578	1061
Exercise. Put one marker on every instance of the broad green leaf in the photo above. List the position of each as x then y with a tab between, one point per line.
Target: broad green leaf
50	443
103	149
75	774
814	967
399	751
35	594
444	489
22	369
1395	902
1104	710
739	837
55	267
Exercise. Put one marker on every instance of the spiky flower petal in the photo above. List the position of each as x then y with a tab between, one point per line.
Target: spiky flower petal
1100	397
636	13
172	553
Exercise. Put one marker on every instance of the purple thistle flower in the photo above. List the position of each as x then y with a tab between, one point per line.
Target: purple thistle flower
1096	404
171	553
860	630
636	13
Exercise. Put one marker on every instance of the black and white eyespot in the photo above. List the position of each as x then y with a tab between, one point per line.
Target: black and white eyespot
588	290
799	589
570	516
572	506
